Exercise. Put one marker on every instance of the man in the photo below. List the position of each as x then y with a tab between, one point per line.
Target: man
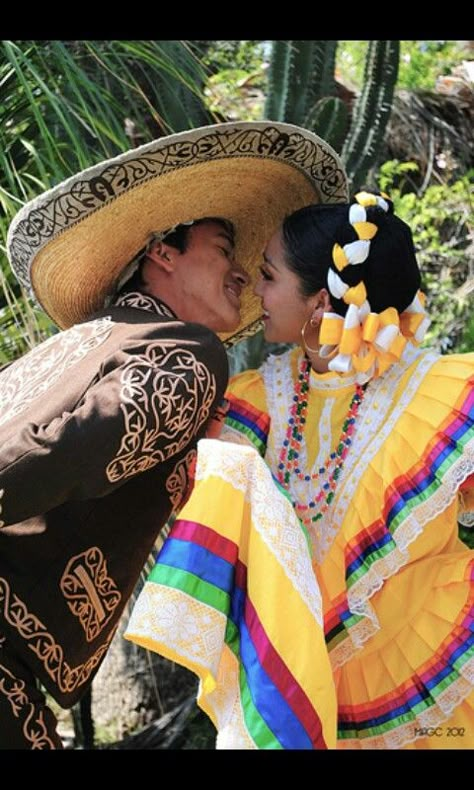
99	424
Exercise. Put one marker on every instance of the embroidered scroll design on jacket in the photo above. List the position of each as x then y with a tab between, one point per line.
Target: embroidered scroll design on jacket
166	395
177	482
34	374
91	594
34	728
44	645
143	302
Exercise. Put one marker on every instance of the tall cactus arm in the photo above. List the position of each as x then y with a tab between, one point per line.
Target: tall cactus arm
372	109
300	73
280	81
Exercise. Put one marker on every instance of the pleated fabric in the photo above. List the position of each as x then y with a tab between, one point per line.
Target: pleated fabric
395	583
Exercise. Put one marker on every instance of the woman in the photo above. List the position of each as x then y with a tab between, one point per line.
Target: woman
371	439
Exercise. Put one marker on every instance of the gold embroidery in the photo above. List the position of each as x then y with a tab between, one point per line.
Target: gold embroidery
43	644
34	728
177	482
91	594
30	377
163	406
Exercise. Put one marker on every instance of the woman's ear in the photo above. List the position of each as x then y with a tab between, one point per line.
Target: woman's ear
322	304
324	300
159	253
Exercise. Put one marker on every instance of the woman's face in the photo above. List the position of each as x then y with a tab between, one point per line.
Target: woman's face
285	309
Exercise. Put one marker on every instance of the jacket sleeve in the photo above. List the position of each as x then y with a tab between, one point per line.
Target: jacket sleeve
148	403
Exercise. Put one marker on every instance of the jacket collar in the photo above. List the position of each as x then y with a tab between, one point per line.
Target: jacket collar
143	301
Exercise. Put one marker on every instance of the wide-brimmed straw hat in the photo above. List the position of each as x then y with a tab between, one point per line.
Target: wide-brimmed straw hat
70	245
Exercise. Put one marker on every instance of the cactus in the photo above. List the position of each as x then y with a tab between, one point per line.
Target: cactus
301	72
329	119
372	109
302	90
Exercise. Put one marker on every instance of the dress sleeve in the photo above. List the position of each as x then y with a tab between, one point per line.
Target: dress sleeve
148	403
247	418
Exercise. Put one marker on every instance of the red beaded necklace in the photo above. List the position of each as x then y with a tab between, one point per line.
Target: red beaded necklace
288	463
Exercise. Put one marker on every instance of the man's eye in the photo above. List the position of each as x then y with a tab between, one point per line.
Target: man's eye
265	274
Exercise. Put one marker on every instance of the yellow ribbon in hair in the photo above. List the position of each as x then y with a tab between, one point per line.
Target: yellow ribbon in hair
356	295
339	257
330	331
365	230
409	323
364	359
366	199
359	341
376	321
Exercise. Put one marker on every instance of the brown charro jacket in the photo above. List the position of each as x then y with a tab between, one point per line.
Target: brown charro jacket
97	426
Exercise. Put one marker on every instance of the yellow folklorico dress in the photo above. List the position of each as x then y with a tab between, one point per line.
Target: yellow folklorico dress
370	620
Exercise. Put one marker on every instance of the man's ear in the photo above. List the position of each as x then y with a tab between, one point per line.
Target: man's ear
161	254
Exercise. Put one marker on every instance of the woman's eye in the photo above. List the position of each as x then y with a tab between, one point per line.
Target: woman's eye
265	274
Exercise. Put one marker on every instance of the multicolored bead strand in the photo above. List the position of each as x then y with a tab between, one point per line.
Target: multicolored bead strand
288	462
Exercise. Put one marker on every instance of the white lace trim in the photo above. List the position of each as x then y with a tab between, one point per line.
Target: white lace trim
166	618
373	413
229	434
377	425
358	596
376	420
273	516
325	435
428	720
466	518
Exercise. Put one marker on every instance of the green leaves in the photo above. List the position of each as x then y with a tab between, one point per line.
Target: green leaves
65	106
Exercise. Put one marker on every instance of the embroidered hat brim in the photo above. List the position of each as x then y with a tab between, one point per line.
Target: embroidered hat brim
70	245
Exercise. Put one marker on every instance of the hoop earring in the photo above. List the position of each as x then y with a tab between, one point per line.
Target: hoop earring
308	348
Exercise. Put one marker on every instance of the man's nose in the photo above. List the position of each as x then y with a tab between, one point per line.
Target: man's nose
239	274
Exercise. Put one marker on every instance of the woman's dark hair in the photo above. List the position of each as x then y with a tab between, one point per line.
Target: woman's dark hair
178	238
390	273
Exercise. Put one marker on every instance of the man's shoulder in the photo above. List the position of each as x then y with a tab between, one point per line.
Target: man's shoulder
141	323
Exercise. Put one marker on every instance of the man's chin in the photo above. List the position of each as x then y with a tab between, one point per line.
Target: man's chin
231	324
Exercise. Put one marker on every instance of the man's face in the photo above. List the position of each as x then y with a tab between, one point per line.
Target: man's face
209	278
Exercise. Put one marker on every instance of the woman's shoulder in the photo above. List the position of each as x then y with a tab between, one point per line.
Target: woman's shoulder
247	415
457	364
246	385
454	367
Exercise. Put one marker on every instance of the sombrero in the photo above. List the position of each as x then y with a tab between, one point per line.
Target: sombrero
70	245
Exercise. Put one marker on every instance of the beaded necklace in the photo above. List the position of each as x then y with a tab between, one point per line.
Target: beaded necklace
288	463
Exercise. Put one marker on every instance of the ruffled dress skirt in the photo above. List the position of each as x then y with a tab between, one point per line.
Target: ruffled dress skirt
368	645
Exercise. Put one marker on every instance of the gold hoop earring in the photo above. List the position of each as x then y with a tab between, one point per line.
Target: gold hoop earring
308	348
